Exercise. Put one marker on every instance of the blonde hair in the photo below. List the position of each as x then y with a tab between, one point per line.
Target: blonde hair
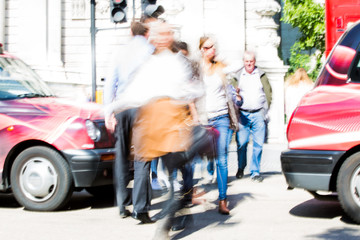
300	75
202	40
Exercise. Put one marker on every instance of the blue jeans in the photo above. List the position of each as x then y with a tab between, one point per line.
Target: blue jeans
210	166
222	123
154	166
254	124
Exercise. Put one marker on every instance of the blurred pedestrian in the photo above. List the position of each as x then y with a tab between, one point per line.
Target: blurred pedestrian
126	63
217	93
295	88
200	118
256	92
181	48
163	127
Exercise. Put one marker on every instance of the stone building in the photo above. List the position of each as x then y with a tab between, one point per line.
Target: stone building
53	37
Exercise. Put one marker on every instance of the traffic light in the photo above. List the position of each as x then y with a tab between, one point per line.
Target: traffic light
118	11
150	9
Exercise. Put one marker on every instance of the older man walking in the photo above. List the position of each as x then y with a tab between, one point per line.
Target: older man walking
255	90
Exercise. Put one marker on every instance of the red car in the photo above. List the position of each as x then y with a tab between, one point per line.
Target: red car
49	146
324	131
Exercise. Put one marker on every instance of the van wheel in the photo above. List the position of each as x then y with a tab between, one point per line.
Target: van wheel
41	179
348	187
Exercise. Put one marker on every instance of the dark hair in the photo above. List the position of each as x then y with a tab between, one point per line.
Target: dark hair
178	46
146	19
182	46
138	28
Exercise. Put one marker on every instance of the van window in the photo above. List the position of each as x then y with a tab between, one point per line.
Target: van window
335	70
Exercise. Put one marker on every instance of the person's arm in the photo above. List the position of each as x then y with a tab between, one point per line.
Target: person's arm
109	96
194	113
267	89
110	122
235	95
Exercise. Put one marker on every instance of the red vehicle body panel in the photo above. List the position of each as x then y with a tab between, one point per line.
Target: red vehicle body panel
328	119
52	120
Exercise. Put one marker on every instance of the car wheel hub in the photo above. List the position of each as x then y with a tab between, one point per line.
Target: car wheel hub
355	186
38	179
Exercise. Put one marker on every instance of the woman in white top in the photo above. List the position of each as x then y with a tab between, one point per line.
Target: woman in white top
216	108
295	88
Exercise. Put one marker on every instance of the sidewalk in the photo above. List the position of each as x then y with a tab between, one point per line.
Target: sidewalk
270	161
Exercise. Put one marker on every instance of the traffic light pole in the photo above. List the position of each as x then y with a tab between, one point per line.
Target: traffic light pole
93	51
93	31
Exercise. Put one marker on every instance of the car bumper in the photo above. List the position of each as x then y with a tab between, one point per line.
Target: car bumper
89	167
309	169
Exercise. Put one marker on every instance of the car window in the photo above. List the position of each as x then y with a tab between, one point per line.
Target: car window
335	70
18	80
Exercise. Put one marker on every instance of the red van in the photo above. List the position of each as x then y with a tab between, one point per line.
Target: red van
49	146
324	130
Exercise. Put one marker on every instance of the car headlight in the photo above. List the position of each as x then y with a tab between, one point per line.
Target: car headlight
92	130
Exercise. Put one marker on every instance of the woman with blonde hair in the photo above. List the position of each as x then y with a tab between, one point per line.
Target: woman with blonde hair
217	94
295	88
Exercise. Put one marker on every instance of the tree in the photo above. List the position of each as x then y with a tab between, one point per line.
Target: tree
309	18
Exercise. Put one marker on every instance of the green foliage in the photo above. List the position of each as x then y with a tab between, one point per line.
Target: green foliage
309	18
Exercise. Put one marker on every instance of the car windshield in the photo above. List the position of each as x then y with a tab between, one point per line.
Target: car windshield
18	80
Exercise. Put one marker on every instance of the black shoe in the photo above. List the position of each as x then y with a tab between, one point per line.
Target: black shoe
179	223
159	215
257	178
124	213
240	174
142	217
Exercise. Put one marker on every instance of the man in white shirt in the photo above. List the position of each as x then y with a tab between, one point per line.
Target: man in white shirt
255	90
126	63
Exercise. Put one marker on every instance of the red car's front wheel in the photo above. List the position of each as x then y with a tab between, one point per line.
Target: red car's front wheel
41	179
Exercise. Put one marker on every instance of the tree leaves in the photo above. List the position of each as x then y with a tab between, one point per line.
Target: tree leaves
309	18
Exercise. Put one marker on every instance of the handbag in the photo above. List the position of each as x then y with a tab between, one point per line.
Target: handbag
233	116
204	141
232	109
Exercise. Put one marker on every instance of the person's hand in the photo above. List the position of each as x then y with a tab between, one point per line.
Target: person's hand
238	97
110	123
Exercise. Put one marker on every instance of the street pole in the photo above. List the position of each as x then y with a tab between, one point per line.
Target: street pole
93	51
93	31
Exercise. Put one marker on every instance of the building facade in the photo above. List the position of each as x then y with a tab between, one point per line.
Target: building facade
53	36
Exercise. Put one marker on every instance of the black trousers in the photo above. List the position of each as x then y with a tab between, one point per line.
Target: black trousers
140	196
